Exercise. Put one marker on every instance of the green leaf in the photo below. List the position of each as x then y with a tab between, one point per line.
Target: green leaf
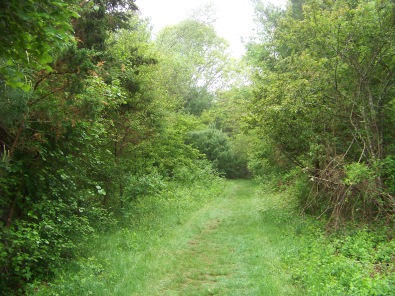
45	59
74	14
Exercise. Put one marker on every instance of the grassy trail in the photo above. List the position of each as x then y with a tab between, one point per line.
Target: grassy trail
225	248
226	238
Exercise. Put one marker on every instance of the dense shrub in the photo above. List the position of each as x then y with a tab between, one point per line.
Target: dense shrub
218	149
354	261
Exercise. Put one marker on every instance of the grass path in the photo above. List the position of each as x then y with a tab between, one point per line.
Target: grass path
225	248
226	238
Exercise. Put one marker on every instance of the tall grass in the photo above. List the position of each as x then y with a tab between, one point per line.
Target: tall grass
121	254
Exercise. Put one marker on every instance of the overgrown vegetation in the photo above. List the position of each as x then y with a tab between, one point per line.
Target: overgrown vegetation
94	114
355	260
119	260
321	125
323	102
98	119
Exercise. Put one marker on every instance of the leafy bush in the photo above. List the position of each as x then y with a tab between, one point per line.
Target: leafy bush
50	218
216	146
357	173
32	248
356	261
201	172
142	185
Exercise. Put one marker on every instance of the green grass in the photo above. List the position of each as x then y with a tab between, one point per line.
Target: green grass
189	241
224	249
229	238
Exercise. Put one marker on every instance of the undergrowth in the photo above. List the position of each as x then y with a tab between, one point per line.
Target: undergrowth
357	259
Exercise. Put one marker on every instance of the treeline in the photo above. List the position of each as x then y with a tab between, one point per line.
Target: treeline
94	113
323	104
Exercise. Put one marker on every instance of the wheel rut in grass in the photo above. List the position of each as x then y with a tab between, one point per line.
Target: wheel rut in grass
204	264
206	259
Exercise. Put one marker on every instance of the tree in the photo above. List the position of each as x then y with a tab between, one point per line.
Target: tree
197	60
56	165
197	45
98	18
324	84
32	31
227	115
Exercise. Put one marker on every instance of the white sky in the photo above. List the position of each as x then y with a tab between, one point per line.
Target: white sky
234	17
